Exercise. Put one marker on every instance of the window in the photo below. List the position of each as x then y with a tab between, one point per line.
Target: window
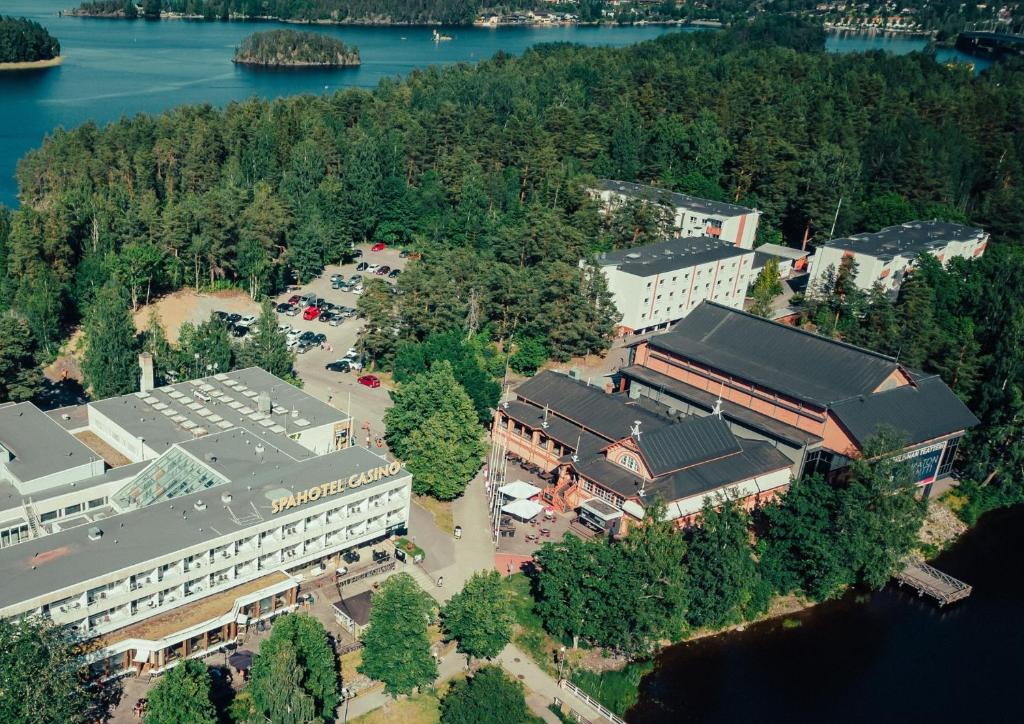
818	462
48	516
629	462
72	509
97	502
948	456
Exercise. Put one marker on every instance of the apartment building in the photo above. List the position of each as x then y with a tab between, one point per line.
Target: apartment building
690	215
182	514
657	284
885	257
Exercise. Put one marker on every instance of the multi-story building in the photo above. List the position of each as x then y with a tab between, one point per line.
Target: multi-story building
608	457
815	399
157	523
691	216
884	257
655	285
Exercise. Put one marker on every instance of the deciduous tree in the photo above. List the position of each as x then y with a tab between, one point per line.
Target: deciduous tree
182	696
396	644
489	695
480	616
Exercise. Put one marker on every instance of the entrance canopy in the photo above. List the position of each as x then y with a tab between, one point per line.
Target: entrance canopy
141	656
519	490
523	509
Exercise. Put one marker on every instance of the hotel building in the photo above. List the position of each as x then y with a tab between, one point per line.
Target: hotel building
157	524
691	216
814	399
608	457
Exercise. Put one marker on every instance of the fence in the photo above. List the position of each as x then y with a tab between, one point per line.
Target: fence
590	701
368	573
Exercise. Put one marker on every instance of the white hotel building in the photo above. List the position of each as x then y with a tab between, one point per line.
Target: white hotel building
158	523
691	216
658	284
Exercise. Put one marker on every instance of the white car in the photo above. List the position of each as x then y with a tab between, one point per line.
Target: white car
293	336
284	328
372	269
247	321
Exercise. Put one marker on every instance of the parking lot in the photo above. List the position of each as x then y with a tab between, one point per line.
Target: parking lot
338	388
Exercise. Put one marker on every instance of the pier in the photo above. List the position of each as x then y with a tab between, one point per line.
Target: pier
930	580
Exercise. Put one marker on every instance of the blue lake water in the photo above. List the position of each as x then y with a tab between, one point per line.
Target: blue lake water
114	68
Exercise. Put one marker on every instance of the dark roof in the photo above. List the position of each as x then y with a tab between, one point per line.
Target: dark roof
799	364
670	255
923	411
689	442
664	196
357	607
610	416
909	239
567	433
730	410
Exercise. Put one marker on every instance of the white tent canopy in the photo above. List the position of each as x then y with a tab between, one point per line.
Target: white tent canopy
523	509
518	490
141	656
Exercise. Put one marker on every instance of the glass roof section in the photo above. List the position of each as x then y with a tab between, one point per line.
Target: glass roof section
171	475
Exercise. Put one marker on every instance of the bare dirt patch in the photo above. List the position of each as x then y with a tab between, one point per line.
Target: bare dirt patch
187	305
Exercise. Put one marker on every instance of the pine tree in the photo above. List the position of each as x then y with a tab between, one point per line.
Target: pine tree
154	340
204	349
267	346
20	376
110	362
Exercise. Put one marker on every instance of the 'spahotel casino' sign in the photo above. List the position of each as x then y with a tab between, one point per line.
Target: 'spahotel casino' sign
334	487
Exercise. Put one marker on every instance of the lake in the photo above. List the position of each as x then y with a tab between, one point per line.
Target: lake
892	657
114	68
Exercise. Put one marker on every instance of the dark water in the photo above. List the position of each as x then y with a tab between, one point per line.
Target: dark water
115	68
893	658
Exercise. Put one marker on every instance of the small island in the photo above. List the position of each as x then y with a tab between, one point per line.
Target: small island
295	49
25	45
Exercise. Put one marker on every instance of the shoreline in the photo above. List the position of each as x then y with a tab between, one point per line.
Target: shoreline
33	64
294	66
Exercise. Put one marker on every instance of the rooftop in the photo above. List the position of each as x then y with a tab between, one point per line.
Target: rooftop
784	252
181	412
672	198
38	445
669	255
909	239
775	356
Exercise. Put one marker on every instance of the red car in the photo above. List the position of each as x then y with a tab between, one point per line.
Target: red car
312	312
379	246
369	381
294	299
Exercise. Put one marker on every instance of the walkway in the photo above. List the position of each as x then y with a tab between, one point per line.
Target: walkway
928	579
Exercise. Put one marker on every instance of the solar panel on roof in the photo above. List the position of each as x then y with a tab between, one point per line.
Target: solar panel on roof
140	393
250	393
195	383
175	394
227	399
220	376
255	416
159	406
234	405
241	388
150	400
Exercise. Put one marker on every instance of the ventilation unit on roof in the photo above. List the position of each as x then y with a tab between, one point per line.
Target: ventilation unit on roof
225	498
200	505
95	533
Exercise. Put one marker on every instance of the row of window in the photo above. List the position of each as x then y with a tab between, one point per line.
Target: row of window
71	510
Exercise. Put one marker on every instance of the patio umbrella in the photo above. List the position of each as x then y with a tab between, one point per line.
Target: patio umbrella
523	509
241	659
519	490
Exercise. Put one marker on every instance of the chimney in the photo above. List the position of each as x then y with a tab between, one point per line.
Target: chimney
146	383
263	403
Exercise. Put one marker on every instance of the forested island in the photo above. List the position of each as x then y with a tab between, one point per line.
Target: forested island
295	49
26	44
354	12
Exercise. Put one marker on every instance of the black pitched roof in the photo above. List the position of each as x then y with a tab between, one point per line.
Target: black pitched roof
688	442
802	365
923	411
610	416
670	255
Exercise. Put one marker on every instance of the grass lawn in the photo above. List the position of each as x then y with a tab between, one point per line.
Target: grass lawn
530	635
350	663
441	510
418	709
617	690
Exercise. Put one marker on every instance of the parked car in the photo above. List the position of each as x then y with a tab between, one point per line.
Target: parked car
312	312
379	246
322	303
340	365
346	312
302	347
382	270
355	279
369	380
356	364
248	320
307	336
221	315
294	299
294	311
239	330
293	336
232	318
351	556
336	319
319	338
340	285
394	273
362	266
326	316
336	277
372	269
283	307
285	328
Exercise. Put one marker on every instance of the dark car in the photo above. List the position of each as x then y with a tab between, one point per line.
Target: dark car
232	318
394	273
283	308
362	266
340	365
356	253
221	315
319	338
294	299
404	254
322	303
382	270
326	316
239	330
307	337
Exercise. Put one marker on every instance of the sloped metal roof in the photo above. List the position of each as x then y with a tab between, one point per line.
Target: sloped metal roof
688	442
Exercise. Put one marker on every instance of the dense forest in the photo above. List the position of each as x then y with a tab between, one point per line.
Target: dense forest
484	170
23	40
285	48
408	12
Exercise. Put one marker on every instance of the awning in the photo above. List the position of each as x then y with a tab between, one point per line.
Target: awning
519	490
523	509
601	509
141	656
241	619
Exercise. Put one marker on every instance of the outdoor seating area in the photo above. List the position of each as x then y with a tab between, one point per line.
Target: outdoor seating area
524	537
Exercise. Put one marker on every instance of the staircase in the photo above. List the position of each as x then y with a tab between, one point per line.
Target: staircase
34	526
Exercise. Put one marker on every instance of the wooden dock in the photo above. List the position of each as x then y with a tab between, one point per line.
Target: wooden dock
930	580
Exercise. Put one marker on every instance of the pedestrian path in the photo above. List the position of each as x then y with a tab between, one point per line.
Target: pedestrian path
522	667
